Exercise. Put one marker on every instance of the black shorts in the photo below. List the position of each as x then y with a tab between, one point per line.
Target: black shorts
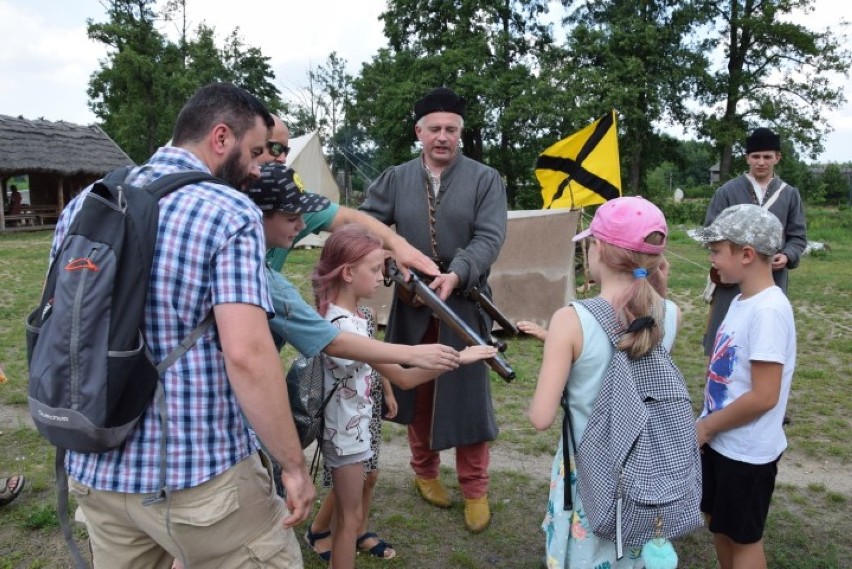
736	495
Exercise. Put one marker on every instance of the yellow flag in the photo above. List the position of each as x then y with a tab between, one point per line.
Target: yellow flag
582	169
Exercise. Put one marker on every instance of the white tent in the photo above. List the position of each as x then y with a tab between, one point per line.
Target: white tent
306	158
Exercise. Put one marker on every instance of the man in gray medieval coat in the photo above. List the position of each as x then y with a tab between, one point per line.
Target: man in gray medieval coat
453	209
762	187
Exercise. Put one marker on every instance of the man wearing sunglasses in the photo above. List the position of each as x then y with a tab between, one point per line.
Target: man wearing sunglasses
336	216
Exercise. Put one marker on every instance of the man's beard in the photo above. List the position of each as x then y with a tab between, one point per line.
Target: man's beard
232	171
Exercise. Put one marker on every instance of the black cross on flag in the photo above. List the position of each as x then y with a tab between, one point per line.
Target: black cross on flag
582	169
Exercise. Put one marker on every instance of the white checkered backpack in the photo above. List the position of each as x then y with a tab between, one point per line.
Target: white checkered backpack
638	461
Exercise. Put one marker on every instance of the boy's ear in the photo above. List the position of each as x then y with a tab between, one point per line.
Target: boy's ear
749	254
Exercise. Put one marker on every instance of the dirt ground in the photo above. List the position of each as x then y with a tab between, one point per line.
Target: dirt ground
795	468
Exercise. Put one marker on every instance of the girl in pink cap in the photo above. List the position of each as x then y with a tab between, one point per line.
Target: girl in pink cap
627	240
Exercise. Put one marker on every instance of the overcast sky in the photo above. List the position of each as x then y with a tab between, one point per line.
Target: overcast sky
46	59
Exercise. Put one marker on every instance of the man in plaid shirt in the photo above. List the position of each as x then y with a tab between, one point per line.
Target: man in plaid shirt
223	510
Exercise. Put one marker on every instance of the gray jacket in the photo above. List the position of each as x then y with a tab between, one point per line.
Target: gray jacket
470	225
787	208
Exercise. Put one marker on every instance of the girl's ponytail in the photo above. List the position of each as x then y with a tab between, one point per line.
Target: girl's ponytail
639	307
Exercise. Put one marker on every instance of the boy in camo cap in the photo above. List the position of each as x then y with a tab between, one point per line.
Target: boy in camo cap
748	383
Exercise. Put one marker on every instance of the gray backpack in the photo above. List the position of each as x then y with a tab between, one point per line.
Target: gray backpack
90	373
639	468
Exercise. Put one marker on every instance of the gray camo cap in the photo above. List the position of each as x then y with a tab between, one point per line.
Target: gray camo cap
745	224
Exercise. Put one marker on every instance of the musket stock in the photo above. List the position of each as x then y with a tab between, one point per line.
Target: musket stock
445	314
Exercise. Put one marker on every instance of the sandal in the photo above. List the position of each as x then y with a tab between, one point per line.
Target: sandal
311	538
382	550
7	494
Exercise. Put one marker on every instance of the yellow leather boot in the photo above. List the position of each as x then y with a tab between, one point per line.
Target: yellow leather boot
477	514
433	491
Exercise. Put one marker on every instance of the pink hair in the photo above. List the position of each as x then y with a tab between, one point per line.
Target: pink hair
345	247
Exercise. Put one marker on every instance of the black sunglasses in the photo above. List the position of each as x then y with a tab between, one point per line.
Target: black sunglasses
277	149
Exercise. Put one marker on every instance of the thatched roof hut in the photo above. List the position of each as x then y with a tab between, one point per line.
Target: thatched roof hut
60	159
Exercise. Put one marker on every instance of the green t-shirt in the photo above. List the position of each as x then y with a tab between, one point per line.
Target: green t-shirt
314	223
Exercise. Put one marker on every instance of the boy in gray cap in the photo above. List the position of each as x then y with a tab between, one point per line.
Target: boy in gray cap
748	383
760	186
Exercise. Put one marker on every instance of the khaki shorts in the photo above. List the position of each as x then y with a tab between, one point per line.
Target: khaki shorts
233	520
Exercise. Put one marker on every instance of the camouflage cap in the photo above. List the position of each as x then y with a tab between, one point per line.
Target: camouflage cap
745	224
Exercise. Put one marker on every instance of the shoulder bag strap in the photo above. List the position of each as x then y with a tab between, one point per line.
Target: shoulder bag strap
768	203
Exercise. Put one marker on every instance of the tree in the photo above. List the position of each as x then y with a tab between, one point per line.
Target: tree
335	86
247	67
145	78
488	51
775	72
641	57
124	92
834	186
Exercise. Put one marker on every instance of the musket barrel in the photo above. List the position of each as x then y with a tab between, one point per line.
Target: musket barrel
444	313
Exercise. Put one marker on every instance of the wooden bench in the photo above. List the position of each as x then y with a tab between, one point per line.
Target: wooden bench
24	219
43	212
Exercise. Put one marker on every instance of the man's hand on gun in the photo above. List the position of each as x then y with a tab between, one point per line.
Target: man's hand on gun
409	257
444	285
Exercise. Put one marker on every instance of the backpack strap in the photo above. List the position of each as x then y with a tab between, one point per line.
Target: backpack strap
605	315
62	508
164	185
160	401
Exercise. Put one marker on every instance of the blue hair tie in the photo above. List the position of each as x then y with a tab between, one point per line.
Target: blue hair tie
640	273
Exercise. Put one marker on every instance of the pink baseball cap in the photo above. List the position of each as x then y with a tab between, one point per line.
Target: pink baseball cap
626	222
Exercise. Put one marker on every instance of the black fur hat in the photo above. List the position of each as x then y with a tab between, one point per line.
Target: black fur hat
763	139
439	100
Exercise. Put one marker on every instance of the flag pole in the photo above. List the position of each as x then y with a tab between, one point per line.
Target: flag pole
584	247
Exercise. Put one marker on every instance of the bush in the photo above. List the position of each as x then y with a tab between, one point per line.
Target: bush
685	213
700	192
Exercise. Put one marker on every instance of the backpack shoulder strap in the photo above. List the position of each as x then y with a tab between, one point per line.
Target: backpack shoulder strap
186	344
118	175
165	185
605	315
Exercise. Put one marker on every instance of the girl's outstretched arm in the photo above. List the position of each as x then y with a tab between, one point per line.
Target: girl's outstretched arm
532	329
408	378
435	357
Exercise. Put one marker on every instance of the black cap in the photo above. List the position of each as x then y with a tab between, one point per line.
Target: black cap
763	139
440	100
280	188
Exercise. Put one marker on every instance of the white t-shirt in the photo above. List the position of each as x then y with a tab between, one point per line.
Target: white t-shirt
347	415
760	328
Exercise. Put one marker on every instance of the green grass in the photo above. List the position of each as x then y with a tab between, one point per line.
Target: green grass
809	523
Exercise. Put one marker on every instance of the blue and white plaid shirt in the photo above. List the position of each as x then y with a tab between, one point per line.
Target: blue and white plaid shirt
210	250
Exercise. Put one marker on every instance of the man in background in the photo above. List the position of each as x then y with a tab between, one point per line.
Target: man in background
762	187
